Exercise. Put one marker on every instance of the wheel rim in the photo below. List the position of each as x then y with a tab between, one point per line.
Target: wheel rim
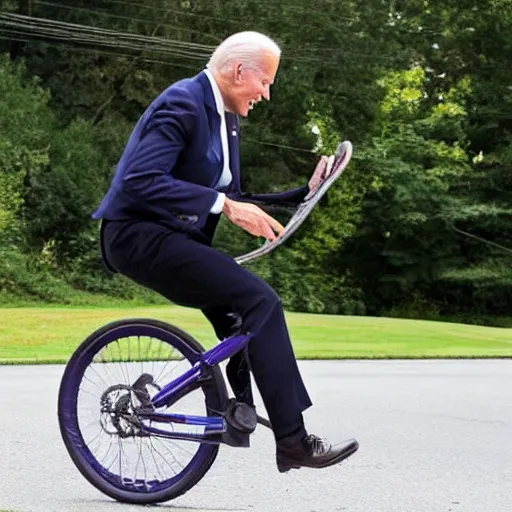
116	357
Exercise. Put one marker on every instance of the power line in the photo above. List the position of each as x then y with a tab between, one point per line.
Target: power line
281	5
283	146
298	56
95	42
24	25
75	49
293	7
41	27
289	54
20	25
174	11
482	240
35	23
119	16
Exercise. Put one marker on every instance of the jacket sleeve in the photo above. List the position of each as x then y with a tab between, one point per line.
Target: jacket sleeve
292	197
148	178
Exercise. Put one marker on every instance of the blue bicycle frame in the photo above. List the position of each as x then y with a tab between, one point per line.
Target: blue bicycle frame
187	382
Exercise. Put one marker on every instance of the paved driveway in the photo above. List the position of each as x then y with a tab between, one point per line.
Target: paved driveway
435	436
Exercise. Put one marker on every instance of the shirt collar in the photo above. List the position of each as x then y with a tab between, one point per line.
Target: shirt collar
219	102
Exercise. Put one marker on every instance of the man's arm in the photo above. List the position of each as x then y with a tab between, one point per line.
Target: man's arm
295	196
292	197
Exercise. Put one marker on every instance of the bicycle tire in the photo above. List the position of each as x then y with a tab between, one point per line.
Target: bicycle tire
216	397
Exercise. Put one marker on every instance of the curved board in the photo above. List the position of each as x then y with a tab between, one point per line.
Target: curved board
337	165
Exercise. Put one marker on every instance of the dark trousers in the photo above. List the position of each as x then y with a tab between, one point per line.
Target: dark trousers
193	274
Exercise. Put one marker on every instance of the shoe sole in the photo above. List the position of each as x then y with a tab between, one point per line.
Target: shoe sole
285	467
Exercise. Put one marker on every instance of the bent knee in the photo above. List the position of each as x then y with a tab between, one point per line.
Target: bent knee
266	298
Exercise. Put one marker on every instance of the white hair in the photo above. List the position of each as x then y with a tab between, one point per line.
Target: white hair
243	46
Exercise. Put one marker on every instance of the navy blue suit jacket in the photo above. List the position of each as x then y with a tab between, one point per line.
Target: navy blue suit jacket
174	159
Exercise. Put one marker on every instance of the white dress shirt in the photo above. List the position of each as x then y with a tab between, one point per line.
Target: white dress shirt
226	176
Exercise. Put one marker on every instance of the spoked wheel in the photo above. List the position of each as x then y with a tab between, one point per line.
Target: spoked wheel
96	397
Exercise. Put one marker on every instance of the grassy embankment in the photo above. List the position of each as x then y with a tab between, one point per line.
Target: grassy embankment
50	334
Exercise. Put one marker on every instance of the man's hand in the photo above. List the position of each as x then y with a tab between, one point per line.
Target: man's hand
253	219
322	171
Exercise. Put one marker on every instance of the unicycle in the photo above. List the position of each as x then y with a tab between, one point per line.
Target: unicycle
143	408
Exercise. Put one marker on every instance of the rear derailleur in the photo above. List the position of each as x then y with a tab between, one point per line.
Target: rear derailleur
121	405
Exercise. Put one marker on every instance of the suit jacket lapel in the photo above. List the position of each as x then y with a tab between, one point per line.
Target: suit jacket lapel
213	117
233	128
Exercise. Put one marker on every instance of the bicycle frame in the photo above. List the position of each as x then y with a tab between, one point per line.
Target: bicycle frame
184	384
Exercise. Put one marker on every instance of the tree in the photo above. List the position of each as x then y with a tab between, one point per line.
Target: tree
25	124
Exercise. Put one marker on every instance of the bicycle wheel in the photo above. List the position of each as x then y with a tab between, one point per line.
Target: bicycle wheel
125	465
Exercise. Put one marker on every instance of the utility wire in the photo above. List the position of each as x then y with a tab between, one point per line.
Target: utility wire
282	146
34	23
218	18
174	11
129	18
393	24
75	49
480	239
59	30
22	25
94	42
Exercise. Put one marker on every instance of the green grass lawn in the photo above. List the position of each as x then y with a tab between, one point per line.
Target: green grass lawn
50	334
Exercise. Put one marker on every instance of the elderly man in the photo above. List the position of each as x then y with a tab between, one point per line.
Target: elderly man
179	172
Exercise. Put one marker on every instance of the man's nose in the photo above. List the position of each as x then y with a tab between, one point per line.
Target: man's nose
266	94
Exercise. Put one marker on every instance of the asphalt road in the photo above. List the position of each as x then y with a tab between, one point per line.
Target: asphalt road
435	436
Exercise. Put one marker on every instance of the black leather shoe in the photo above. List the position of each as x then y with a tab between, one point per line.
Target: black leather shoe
312	452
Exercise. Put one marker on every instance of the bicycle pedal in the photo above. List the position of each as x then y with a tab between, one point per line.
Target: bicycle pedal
241	416
235	438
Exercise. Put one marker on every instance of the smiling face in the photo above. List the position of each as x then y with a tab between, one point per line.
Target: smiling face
248	85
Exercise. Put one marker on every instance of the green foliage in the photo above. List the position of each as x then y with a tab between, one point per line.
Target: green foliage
483	287
25	121
419	225
36	278
411	175
29	277
61	198
16	163
24	114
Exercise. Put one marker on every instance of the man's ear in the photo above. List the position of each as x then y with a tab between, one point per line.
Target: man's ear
238	73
